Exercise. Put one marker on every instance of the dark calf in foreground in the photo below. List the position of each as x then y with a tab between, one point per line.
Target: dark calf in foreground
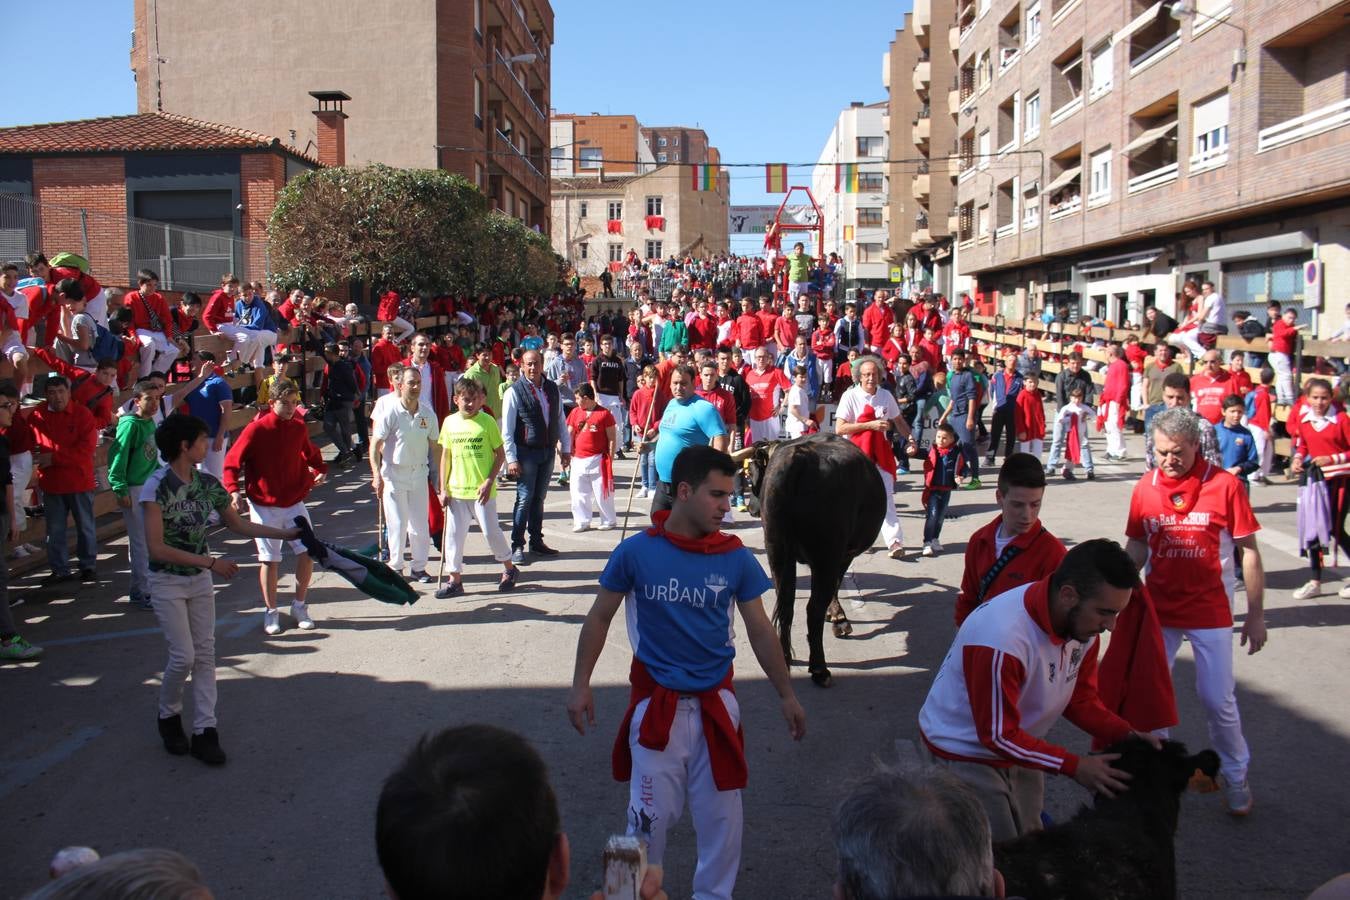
1121	848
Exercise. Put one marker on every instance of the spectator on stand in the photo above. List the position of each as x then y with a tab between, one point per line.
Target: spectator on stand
90	289
65	436
13	647
13	323
219	317
390	310
75	341
212	402
1283	337
150	314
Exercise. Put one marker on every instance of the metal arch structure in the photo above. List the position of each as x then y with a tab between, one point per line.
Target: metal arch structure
782	224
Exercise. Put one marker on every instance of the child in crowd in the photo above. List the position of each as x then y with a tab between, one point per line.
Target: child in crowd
1076	419
1240	382
272	384
1029	417
1258	406
798	405
594	437
646	420
941	470
1237	446
512	373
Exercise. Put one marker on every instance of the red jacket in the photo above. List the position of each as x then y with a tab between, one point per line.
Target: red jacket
388	310
822	344
219	310
1038	556
440	397
877	321
747	331
702	332
141	307
383	354
1029	416
278	458
19	435
71	436
1116	384
85	389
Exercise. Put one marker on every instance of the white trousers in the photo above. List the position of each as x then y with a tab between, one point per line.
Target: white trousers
157	353
1284	377
405	516
21	467
214	464
1214	684
615	406
1137	390
1260	437
458	515
663	779
405	329
586	486
770	429
1115	436
890	528
1033	446
248	344
185	606
1190	339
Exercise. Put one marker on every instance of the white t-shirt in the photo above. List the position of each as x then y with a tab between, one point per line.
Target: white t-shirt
855	399
18	300
799	401
408	438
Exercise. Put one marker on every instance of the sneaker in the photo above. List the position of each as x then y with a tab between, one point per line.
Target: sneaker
142	603
88	575
300	611
16	648
928	549
1067	473
19	552
57	578
30	548
1091	474
562	479
421	578
1311	589
171	733
989	460
518	556
1344	593
384	555
508	582
1238	796
898	551
937	545
542	549
272	621
973	485
577	529
619	454
606	526
453	589
206	747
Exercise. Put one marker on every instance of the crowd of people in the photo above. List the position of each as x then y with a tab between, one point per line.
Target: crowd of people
515	389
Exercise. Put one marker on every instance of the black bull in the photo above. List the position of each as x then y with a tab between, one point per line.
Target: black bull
822	502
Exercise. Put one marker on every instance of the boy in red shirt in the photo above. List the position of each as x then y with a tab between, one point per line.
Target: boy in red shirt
1259	403
822	345
1029	418
150	315
65	437
942	469
1239	382
594	437
747	332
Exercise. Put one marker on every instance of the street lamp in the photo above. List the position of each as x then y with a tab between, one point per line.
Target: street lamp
1186	10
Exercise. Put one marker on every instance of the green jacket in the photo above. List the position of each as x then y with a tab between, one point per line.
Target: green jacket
674	334
134	456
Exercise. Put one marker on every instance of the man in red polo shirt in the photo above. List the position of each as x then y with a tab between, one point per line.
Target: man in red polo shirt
150	315
747	332
1014	549
1186	517
1209	386
877	321
65	436
767	385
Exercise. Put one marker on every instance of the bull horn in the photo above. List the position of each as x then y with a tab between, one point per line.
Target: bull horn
743	454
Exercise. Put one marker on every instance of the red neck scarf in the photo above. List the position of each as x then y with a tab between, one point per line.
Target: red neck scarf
717	542
876	444
1179	495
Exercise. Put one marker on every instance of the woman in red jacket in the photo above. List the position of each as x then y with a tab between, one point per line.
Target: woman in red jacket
1323	440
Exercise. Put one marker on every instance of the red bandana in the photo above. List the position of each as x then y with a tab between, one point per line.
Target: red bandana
717	542
1180	495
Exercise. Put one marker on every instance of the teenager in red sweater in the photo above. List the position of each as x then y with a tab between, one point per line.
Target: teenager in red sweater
150	315
1014	549
281	465
1260	403
383	354
65	437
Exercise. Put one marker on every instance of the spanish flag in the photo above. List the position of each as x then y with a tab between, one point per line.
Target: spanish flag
775	178
704	178
846	178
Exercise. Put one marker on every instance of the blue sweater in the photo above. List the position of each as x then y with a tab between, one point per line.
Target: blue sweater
1237	448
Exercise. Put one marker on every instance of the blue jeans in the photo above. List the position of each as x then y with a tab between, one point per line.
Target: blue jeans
58	506
536	468
1149	412
935	512
966	437
647	470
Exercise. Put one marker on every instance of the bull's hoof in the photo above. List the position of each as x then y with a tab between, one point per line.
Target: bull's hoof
822	678
843	628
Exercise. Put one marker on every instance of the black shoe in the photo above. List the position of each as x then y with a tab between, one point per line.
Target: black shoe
1091	474
508	582
619	454
87	575
171	732
453	589
421	578
1068	474
543	549
206	747
58	578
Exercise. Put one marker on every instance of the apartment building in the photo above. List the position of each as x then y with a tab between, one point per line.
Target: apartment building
680	144
1110	150
463	86
657	214
586	146
855	220
919	72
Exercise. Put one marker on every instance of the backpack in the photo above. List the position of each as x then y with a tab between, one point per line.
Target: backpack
68	260
93	402
106	344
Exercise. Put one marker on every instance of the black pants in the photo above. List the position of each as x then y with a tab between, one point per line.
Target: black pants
337	424
1001	423
1339	507
362	423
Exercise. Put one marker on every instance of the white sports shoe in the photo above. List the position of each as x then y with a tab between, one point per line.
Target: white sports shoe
928	549
1344	593
1311	589
272	622
577	529
1239	798
301	613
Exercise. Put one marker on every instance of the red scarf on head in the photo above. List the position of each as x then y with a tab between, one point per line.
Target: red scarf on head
1179	495
717	542
875	444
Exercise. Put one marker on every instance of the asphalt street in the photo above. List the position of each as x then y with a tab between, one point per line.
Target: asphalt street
313	721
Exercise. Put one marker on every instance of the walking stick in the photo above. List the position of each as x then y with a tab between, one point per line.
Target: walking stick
632	484
379	524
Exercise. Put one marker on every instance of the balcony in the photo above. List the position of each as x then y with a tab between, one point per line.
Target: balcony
519	166
921	237
923	75
1068	109
1305	126
922	131
1066	207
1007	58
1155	178
954	38
1006	230
507	85
1208	159
921	186
922	19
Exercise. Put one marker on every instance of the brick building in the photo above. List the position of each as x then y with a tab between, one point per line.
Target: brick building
589	145
458	84
188	199
1109	151
679	144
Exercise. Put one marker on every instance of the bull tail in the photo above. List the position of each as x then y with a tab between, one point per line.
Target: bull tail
783	565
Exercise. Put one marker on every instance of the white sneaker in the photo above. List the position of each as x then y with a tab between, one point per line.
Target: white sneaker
937	545
1238	796
606	526
928	549
1311	589
272	622
1344	593
19	552
577	529
301	613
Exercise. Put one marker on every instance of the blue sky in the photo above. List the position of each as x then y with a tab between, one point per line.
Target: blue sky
764	80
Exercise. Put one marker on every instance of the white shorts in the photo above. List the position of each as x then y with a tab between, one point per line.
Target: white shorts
269	549
14	346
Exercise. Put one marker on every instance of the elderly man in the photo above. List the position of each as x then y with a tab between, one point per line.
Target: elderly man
767	387
913	835
867	415
403	435
1186	517
532	428
687	420
65	436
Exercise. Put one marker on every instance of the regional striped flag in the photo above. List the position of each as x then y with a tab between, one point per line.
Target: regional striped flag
775	178
704	178
846	178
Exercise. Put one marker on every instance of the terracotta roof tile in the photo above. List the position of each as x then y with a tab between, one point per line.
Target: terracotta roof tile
143	132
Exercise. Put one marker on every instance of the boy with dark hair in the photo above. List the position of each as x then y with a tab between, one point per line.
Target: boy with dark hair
1014	549
132	459
65	437
1259	405
1237	446
150	314
942	468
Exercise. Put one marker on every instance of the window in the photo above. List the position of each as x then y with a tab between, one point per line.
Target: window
869	217
1064	192
1066	84
675	141
1152	35
967	81
982	223
478	20
616	252
1151	156
1031	115
591	158
984	70
867	253
869	146
1251	284
1005	208
654	206
1008	111
478	175
1009	39
870	182
584	251
1102	65
508	201
583	209
1209	124
660	142
1033	23
615	210
654	250
1099	167
478	104
661	157
558	160
1031	207
983	147
965	222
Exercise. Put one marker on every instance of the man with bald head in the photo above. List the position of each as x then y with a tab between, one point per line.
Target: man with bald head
532	418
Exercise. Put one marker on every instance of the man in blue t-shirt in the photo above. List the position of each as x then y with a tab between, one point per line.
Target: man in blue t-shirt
212	402
688	421
681	738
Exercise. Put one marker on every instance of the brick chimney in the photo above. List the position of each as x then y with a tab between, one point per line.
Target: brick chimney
331	127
